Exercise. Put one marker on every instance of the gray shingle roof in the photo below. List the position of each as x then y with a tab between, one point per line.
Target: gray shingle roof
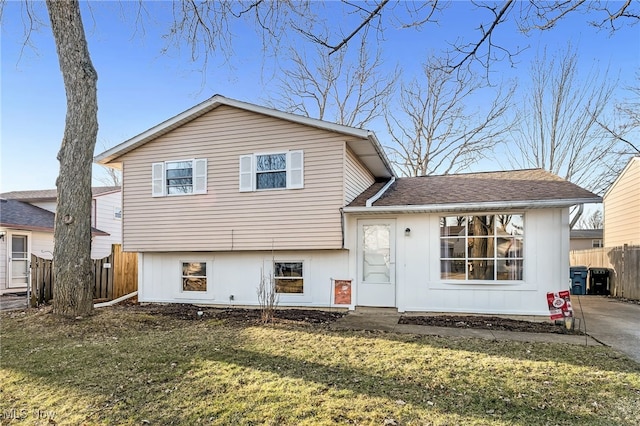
16	214
477	188
586	233
51	194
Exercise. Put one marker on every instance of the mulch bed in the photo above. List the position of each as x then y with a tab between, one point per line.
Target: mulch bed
236	315
487	323
189	312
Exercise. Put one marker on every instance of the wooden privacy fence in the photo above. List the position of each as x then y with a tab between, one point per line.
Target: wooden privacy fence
114	276
624	261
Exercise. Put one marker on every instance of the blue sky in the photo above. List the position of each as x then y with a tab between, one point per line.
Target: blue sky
140	86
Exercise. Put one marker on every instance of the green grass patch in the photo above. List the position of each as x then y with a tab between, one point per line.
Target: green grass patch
123	366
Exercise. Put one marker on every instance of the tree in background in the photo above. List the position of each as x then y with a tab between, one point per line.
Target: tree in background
593	221
558	128
337	88
435	132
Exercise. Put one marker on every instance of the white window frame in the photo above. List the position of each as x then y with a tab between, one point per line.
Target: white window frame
117	212
198	177
248	171
190	293
596	243
285	296
495	258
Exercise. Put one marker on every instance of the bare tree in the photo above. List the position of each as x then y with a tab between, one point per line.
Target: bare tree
434	131
73	268
112	177
336	88
559	122
593	221
628	112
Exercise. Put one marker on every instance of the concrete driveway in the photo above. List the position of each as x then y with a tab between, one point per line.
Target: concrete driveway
612	322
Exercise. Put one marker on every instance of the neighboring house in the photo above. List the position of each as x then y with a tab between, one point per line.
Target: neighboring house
228	192
25	229
621	207
106	215
583	239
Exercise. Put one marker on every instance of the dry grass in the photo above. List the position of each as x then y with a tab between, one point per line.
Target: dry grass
124	366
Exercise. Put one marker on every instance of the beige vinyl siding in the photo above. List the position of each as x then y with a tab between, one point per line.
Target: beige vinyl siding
357	177
622	208
226	219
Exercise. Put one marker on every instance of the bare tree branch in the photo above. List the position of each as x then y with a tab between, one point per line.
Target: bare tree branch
434	131
346	91
559	129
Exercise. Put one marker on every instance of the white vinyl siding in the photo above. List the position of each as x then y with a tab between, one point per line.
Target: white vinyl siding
357	177
622	208
224	218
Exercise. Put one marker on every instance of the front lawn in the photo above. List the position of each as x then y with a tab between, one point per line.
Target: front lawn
130	366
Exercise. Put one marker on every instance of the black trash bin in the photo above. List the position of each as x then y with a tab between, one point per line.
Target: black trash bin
600	281
578	276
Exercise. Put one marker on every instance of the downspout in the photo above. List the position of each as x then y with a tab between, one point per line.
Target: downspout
342	224
577	216
380	193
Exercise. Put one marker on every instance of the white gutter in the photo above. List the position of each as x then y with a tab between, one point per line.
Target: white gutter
493	205
116	301
379	194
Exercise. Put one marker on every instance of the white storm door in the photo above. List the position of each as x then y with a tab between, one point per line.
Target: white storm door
376	263
19	261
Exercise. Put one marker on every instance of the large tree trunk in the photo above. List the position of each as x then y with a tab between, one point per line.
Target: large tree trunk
73	272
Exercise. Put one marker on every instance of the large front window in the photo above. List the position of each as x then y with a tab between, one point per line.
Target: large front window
483	247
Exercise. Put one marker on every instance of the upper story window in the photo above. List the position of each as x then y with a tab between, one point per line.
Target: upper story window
482	247
181	177
117	212
280	170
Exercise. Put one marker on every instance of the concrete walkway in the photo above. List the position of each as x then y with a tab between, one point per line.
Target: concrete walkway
386	319
610	321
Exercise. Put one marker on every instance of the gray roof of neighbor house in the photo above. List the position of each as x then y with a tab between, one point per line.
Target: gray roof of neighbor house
51	194
19	215
586	233
531	188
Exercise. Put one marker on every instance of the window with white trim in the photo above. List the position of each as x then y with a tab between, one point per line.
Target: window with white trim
117	212
264	171
194	276
288	277
596	243
482	247
179	177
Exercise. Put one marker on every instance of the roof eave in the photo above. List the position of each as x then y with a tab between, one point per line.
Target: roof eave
217	100
468	207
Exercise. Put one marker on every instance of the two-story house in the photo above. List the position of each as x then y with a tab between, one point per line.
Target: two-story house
227	191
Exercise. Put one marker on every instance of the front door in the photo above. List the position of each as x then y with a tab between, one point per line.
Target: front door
19	274
376	263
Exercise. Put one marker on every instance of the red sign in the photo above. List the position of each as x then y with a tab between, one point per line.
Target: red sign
342	292
559	305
